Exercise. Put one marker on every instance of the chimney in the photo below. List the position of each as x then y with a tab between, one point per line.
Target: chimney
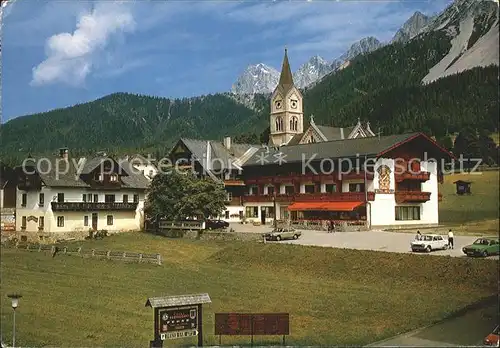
63	153
227	143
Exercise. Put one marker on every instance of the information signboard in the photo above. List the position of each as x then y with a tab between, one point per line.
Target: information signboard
183	319
252	324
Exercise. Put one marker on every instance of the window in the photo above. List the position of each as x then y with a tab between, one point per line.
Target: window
99	177
268	211
60	221
226	214
253	190
109	198
289	190
294	123
96	198
309	188
84	198
110	220
23	223
85	220
357	187
407	213
113	178
89	197
279	124
229	196
330	188
24	200
251	212
136	198
125	198
41	199
311	139
41	223
60	198
270	190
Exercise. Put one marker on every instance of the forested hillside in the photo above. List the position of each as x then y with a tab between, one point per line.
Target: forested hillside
383	87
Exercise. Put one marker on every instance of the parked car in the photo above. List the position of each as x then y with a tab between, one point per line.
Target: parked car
216	224
282	233
482	247
493	338
429	242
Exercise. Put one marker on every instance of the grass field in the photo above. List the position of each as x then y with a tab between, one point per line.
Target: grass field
334	296
471	214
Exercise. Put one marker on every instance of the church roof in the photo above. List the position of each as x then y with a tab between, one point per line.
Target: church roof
286	77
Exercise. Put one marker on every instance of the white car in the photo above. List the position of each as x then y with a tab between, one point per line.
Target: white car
429	242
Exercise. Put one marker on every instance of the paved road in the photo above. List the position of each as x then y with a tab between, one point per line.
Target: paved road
375	240
467	330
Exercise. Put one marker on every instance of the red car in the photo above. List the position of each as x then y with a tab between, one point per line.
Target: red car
493	338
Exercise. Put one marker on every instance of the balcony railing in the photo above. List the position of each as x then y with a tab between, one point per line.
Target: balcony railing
84	206
421	176
234	182
313	197
412	197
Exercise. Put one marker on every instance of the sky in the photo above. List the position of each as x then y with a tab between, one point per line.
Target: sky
60	53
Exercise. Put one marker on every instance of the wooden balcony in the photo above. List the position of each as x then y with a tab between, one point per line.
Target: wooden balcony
279	179
412	196
83	206
234	182
312	197
420	176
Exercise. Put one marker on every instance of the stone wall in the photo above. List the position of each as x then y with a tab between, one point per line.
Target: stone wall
211	235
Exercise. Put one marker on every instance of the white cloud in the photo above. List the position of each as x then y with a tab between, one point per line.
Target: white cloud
70	56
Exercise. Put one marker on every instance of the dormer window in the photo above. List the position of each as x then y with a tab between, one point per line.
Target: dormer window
113	178
99	177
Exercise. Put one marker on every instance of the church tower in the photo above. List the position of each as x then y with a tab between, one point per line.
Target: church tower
286	108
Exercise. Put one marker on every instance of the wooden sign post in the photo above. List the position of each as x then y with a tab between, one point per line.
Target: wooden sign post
177	317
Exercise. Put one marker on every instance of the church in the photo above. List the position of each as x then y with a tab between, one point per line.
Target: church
287	117
347	175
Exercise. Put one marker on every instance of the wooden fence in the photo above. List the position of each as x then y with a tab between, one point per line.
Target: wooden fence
102	254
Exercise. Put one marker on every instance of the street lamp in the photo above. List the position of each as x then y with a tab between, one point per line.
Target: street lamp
15	303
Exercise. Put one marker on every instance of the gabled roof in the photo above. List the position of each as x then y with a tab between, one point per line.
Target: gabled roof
198	149
56	173
347	148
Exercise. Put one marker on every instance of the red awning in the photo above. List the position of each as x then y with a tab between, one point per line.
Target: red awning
328	206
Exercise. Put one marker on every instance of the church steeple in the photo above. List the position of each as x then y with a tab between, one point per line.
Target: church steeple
286	119
286	78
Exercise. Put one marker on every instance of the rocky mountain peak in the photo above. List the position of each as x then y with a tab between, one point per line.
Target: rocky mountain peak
412	27
258	78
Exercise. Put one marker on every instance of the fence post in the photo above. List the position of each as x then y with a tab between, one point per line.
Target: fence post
40	248
93	252
28	246
140	258
124	255
79	250
108	254
65	250
52	249
158	258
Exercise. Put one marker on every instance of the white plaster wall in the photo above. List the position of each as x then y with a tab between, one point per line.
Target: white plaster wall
259	205
383	207
233	209
430	210
1	198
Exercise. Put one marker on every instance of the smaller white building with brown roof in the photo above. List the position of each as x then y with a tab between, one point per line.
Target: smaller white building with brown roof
60	195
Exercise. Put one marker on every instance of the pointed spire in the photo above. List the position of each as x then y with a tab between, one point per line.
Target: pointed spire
286	79
312	119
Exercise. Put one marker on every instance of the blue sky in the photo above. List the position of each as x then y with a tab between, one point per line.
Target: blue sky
59	53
